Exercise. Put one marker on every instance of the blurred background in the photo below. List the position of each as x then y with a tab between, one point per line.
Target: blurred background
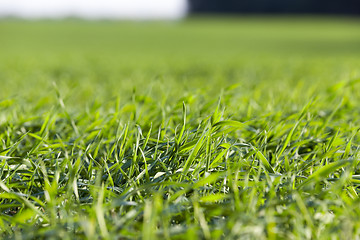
119	44
170	9
276	6
94	9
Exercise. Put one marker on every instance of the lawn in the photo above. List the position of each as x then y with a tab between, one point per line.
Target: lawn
208	128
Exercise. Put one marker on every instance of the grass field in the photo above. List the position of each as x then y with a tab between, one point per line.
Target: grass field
209	128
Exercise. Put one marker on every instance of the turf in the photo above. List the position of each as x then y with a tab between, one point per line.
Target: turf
209	128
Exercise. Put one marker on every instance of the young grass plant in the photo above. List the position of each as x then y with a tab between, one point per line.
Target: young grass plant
203	144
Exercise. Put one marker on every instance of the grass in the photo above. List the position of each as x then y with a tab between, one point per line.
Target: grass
210	128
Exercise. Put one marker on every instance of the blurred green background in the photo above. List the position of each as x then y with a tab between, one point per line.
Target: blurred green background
89	59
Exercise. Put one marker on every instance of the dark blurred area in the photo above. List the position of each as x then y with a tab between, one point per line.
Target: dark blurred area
343	7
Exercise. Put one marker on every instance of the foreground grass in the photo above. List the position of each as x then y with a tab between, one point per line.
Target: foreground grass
235	128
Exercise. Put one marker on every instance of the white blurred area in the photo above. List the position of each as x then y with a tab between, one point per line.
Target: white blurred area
95	9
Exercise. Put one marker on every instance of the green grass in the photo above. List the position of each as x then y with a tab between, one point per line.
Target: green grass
209	128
